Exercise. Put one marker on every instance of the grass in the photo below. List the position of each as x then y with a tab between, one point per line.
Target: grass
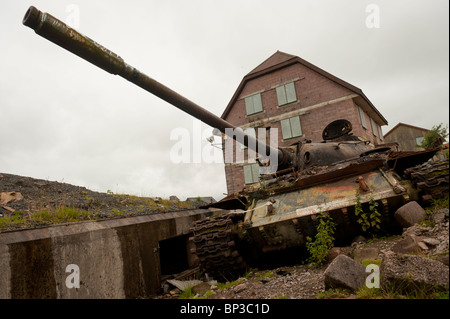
437	204
59	215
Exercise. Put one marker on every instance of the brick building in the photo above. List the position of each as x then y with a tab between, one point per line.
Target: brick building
300	99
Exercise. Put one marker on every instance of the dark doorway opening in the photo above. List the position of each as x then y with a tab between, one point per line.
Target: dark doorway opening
173	255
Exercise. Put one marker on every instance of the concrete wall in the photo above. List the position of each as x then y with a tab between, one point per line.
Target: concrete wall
117	258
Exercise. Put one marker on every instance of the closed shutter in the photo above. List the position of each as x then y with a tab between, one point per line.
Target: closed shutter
380	132
253	104
255	172
248	174
286	129
251	173
281	95
291	127
363	117
296	128
290	92
374	129
286	94
257	103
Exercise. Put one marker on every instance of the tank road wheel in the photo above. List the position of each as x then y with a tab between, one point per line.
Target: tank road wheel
431	179
216	249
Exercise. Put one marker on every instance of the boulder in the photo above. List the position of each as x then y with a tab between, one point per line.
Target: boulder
407	273
344	272
410	214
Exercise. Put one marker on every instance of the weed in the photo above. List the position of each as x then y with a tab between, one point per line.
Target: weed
369	221
187	293
323	241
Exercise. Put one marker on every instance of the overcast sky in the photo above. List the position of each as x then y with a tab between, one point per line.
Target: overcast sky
65	120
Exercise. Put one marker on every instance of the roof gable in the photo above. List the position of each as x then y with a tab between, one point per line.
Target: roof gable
279	60
407	125
275	59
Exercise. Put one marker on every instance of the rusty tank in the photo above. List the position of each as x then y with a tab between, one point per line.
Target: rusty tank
281	211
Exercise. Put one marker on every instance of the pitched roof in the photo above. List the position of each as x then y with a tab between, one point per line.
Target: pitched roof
279	60
276	58
403	124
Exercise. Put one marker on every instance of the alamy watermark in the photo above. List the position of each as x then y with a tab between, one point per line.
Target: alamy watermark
73	280
200	147
373	279
73	15
373	17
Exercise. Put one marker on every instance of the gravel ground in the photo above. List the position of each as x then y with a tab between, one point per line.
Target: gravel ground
290	282
38	195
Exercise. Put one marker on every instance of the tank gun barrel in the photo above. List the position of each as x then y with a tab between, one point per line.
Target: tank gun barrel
59	33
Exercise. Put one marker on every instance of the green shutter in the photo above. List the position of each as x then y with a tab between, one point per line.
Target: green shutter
362	116
281	95
251	173
257	103
253	104
255	172
249	105
296	128
380	132
286	129
248	174
290	92
374	129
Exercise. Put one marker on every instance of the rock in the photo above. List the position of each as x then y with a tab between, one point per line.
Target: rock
336	251
440	216
406	273
359	239
174	198
444	260
422	245
360	254
346	273
240	288
410	214
408	245
417	230
431	241
183	284
7	197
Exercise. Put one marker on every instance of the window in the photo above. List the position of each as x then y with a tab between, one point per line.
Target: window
363	117
380	133
419	140
251	173
253	104
374	128
286	94
291	127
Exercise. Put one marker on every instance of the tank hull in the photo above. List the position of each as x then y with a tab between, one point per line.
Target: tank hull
284	220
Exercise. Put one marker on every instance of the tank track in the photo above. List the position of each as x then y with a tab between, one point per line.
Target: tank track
431	179
215	247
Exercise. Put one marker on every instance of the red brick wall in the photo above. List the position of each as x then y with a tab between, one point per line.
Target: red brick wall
311	89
